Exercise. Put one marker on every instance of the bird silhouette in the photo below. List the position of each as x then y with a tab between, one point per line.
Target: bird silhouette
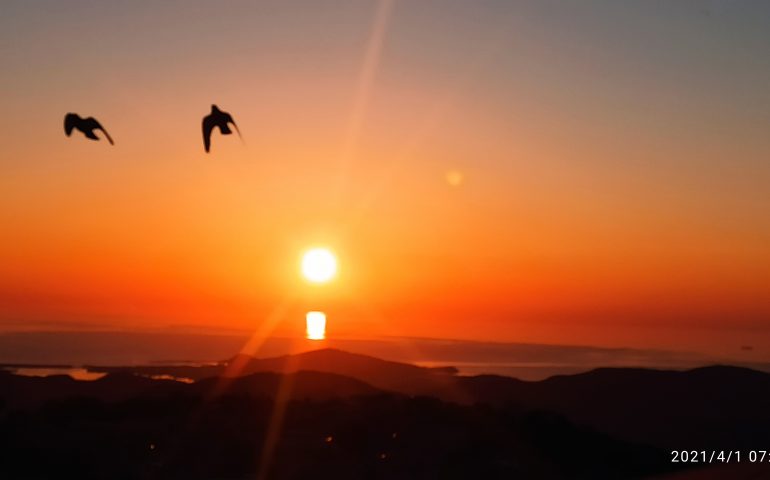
217	118
86	125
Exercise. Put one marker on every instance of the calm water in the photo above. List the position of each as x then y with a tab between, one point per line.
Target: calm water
79	373
76	373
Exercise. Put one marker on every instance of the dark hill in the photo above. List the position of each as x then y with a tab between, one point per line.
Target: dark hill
702	408
31	392
382	374
298	385
711	407
20	391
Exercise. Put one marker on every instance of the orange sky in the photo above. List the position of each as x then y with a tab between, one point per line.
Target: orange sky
612	193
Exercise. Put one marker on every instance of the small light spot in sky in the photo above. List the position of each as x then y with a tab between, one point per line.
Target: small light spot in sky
454	178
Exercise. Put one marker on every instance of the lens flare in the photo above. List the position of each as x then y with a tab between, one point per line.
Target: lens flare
454	178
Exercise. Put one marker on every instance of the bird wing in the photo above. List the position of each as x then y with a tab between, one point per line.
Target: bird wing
229	119
208	125
99	126
70	120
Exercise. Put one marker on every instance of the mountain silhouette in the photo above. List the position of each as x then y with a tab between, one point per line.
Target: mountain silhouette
304	385
33	392
707	407
383	374
333	427
700	408
29	392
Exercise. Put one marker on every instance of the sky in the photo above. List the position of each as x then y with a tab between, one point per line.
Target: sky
590	173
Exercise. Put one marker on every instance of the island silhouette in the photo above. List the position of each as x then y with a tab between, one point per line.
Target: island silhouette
345	415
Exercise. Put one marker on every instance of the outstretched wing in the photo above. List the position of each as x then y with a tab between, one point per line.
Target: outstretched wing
70	120
99	126
208	125
229	119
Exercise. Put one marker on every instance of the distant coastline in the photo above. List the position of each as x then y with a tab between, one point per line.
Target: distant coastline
73	350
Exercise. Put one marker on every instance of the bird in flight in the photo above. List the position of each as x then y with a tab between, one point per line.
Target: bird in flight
217	118
86	125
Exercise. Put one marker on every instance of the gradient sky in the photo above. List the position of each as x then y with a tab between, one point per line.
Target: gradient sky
614	159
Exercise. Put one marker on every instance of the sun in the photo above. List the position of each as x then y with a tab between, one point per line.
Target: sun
319	265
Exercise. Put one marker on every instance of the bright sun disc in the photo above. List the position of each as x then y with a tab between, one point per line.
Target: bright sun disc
319	265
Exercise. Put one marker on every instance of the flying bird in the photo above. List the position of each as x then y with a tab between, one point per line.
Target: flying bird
217	118
86	125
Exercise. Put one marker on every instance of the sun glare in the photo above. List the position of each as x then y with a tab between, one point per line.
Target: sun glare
319	265
316	325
